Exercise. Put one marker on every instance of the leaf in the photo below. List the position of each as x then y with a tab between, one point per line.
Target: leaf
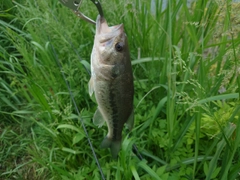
161	170
147	59
70	150
155	158
219	97
68	126
144	166
134	172
86	65
213	163
216	172
205	168
78	137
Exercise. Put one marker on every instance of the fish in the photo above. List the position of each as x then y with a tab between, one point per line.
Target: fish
112	83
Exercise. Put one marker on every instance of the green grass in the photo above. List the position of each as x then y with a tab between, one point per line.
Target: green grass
184	127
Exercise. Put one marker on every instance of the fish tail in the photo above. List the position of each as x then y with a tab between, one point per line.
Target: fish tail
113	145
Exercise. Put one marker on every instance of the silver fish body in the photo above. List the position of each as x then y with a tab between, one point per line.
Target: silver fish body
112	82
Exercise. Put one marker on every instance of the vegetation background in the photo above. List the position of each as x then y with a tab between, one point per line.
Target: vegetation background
186	76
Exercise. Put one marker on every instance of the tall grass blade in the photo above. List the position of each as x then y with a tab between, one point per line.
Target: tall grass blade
213	163
144	166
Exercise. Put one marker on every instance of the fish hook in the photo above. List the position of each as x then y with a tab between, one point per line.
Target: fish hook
75	5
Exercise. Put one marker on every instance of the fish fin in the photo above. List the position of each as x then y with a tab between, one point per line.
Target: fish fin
90	87
98	119
130	121
113	145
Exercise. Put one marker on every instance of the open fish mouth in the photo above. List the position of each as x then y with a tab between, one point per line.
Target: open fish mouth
105	32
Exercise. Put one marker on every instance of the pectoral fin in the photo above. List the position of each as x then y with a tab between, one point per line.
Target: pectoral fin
91	87
98	119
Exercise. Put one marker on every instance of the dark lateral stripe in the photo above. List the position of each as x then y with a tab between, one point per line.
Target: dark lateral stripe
117	131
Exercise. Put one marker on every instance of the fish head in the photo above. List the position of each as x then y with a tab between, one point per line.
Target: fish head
111	43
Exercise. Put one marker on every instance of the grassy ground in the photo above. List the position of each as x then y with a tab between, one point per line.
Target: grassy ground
186	81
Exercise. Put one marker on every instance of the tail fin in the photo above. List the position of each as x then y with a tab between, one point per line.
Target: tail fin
113	145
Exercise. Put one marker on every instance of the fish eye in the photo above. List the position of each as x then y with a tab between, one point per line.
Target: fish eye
119	46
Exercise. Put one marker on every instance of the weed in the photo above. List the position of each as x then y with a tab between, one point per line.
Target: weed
185	64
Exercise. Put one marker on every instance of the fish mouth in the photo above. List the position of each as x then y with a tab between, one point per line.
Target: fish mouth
105	31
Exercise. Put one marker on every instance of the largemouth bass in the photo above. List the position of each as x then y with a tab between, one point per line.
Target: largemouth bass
112	82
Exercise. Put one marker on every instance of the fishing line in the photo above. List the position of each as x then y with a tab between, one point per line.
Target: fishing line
98	5
134	148
136	152
79	115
